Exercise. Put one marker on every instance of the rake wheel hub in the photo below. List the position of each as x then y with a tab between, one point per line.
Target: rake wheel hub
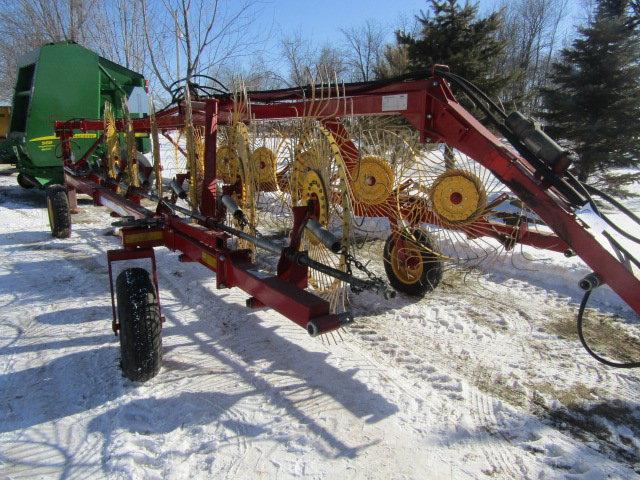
374	181
228	164
458	197
264	161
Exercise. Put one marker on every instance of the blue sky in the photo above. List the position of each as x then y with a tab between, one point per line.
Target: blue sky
321	19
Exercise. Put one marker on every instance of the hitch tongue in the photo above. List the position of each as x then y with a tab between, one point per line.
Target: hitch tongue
327	238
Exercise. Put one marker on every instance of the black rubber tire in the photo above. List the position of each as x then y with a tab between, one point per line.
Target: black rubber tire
432	270
59	212
140	325
23	182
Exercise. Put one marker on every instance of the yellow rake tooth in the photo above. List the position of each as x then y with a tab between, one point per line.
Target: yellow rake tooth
132	151
111	140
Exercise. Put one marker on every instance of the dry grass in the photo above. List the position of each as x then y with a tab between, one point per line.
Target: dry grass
605	333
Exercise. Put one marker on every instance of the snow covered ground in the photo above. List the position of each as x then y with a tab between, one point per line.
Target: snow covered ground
484	378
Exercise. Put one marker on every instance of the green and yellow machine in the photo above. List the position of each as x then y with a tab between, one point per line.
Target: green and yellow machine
62	81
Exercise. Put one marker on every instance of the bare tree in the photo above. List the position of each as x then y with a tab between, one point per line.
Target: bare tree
298	56
532	31
329	63
118	33
27	24
306	63
257	75
365	48
184	38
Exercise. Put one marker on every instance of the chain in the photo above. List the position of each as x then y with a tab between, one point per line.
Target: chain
376	282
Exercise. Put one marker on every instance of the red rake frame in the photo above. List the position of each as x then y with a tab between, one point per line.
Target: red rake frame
429	106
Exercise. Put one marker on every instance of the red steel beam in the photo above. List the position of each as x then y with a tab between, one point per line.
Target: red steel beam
106	197
429	105
208	247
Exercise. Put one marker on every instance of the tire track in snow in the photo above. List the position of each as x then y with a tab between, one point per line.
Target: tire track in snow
520	343
499	456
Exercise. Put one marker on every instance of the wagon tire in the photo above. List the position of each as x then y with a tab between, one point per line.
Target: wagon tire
426	273
140	325
59	211
23	182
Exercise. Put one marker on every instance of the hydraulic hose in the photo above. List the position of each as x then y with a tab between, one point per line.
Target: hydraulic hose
586	346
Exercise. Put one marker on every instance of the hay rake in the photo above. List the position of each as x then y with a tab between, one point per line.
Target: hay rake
290	171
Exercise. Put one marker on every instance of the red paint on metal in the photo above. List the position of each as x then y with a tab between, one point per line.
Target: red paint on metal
429	105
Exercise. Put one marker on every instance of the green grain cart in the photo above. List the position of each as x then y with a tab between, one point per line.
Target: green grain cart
61	81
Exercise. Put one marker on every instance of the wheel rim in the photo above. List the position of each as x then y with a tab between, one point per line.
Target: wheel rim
407	262
458	197
373	182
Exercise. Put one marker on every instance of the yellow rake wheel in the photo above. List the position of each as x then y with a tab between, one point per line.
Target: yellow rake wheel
318	175
228	164
233	167
458	197
452	193
112	141
263	160
272	150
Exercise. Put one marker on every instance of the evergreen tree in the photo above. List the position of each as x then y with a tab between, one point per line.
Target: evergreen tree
593	105
453	35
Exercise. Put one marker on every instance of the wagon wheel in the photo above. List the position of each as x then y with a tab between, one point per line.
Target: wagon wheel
386	147
268	146
272	154
412	263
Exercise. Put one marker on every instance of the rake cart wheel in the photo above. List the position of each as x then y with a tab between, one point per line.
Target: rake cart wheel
59	212
24	183
140	325
416	268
